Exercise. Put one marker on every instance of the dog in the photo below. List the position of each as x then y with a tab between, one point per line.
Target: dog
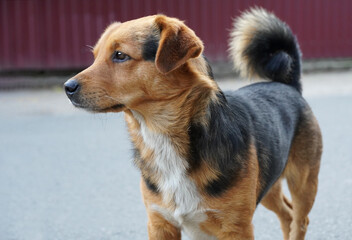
207	157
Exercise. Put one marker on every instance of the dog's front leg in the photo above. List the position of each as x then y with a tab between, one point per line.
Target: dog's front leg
160	229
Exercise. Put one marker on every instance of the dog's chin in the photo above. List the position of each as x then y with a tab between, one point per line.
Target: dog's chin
114	108
98	109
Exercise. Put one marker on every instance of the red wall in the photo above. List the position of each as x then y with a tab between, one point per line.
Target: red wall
48	34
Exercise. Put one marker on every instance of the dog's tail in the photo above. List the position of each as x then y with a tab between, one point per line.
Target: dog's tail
263	46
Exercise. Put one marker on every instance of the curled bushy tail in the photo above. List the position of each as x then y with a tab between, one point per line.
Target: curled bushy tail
263	46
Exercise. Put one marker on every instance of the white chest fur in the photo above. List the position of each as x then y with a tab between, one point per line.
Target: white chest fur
175	186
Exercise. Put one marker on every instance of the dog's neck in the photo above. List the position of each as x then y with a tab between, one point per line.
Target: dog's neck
172	116
162	144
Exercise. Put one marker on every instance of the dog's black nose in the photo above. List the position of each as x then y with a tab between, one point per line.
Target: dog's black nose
71	86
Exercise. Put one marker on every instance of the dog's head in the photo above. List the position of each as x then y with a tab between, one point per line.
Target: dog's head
139	61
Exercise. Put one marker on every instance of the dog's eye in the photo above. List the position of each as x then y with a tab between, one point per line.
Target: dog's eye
119	57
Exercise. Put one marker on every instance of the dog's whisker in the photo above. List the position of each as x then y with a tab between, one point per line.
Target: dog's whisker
91	48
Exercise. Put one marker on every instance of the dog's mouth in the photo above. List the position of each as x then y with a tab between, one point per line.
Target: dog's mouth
88	107
115	108
76	104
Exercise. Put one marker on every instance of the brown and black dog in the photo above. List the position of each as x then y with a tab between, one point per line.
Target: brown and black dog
208	157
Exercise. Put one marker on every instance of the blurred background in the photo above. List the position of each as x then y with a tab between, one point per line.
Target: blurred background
52	35
68	174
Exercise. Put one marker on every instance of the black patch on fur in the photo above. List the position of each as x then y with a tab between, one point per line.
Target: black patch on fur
136	156
140	163
216	187
150	185
223	144
150	47
209	69
274	54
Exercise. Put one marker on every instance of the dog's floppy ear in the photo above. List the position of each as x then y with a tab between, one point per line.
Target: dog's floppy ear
177	44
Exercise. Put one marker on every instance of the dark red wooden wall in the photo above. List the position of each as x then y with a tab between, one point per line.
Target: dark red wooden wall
49	34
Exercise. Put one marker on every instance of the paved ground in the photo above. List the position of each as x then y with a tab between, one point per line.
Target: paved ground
67	174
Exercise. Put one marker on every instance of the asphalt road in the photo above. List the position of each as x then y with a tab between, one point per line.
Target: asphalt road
67	174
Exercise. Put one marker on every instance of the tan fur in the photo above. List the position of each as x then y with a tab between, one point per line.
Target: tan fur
302	173
277	202
204	174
